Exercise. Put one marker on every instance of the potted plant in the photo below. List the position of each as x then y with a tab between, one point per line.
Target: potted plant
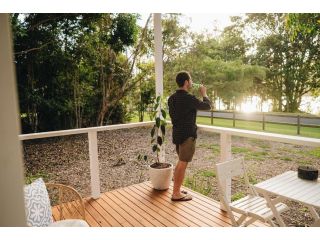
160	172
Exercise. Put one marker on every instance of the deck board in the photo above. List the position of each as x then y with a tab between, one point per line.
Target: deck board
140	205
147	208
176	207
138	210
192	208
129	213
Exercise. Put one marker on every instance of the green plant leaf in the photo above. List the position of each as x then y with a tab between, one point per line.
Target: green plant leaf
163	122
158	99
156	106
164	114
153	130
154	147
158	122
159	140
163	130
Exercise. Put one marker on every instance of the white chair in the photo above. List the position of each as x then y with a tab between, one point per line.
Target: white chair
252	207
69	223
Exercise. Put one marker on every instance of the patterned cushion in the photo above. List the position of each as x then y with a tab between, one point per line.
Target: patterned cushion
37	204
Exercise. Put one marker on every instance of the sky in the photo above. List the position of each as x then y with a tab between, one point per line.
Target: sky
200	22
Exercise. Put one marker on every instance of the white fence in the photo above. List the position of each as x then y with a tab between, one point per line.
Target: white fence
225	144
263	117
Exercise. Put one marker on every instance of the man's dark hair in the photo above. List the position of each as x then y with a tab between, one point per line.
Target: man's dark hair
182	77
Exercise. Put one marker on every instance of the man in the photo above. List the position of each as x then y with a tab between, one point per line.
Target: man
183	112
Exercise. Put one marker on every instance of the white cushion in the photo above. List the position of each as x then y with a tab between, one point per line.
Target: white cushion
37	204
70	223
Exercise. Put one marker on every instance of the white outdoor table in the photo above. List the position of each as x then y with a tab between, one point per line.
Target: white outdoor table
289	186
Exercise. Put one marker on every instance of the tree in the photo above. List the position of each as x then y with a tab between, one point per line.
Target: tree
307	24
39	60
175	37
73	69
116	86
146	88
303	23
219	63
292	61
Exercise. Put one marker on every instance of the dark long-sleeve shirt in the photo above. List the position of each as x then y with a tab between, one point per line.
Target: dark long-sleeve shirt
183	112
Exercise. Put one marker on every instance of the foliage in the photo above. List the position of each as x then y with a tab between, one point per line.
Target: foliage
291	59
231	81
71	68
303	23
175	37
287	159
252	178
240	150
201	182
117	114
219	63
237	196
207	173
158	130
146	89
315	152
31	177
78	70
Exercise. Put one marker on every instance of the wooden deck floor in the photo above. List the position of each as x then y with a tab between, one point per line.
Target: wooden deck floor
141	206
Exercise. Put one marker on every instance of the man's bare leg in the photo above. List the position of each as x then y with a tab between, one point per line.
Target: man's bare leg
179	172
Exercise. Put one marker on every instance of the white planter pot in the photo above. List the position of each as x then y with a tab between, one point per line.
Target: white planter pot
161	178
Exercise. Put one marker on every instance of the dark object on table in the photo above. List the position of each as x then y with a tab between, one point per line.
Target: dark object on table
307	173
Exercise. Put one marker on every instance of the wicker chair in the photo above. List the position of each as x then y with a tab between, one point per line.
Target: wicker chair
67	200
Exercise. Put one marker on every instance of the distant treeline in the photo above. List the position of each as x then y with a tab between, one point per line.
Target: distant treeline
82	70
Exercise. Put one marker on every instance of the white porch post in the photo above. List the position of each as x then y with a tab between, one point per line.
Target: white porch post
158	66
94	164
11	165
158	53
225	155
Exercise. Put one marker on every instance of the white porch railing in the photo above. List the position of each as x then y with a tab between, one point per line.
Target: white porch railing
93	146
225	144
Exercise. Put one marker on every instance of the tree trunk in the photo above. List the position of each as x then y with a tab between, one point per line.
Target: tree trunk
103	113
292	106
280	103
33	121
75	102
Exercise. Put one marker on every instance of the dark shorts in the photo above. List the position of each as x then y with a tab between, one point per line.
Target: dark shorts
186	150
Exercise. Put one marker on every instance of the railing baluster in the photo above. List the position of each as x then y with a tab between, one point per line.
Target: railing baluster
94	164
225	155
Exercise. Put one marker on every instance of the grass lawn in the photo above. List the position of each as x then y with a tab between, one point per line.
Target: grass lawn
135	118
256	126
